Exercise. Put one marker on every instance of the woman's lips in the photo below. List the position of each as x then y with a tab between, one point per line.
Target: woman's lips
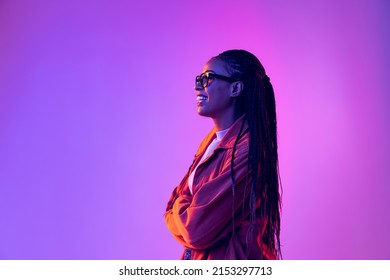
200	99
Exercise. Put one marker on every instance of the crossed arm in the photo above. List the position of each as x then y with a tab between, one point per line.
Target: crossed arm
200	220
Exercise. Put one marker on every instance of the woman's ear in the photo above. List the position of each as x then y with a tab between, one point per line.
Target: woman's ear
236	88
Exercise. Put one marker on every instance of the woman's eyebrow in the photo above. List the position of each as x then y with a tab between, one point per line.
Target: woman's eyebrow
209	71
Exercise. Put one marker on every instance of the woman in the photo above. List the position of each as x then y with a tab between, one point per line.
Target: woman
228	205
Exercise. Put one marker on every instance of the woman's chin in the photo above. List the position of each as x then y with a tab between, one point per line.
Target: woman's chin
202	112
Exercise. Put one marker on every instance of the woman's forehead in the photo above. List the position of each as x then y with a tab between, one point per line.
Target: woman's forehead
215	65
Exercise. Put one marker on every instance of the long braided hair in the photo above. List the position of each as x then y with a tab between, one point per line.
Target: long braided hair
257	101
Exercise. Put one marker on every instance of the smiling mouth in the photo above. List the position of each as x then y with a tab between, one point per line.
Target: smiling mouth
201	98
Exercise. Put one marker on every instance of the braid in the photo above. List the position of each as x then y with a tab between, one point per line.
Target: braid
258	103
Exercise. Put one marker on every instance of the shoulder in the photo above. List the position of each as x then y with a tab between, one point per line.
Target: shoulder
240	146
240	150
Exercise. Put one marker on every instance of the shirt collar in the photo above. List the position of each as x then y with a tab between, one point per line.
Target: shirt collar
228	140
221	134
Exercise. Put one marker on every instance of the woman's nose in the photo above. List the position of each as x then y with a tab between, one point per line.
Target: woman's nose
198	86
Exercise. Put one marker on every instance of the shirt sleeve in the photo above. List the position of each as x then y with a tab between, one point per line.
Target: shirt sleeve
201	220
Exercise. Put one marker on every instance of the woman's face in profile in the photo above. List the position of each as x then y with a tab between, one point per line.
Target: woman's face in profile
214	100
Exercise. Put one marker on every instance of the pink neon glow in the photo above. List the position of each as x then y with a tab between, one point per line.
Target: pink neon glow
98	121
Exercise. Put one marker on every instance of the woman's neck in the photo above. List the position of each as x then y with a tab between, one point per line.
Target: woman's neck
225	122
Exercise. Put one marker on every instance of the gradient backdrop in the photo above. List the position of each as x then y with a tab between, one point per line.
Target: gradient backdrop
98	121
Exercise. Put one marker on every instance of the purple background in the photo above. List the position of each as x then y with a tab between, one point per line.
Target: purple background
98	121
